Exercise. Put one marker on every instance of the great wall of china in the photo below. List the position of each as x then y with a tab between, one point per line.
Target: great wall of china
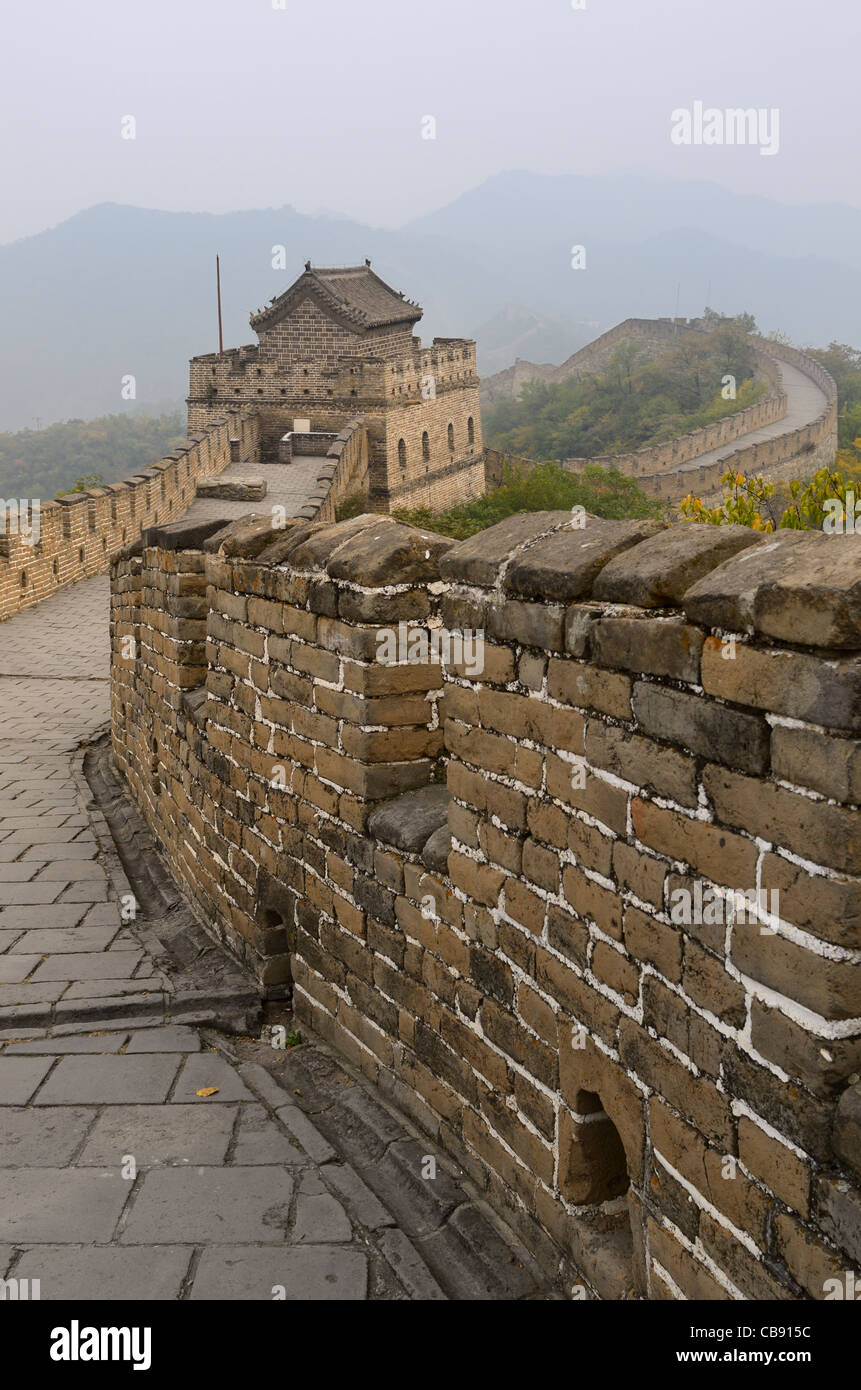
791	432
481	872
572	874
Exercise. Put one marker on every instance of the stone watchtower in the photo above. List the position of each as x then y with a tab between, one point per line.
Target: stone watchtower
338	346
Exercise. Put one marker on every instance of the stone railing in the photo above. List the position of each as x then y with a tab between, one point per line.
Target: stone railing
555	835
80	532
304	444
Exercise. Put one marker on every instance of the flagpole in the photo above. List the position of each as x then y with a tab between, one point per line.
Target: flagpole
218	284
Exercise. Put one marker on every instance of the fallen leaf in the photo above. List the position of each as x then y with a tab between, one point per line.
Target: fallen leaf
207	1091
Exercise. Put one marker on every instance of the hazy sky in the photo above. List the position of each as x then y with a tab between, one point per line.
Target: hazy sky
239	104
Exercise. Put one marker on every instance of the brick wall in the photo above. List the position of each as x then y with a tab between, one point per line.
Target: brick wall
81	531
499	883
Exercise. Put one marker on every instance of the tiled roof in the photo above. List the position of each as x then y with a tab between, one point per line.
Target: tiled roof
352	292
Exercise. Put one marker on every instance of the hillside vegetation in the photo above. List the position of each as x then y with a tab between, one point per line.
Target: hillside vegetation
633	402
844	364
42	463
549	487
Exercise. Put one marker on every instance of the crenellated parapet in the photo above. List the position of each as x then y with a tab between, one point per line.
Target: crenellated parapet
46	545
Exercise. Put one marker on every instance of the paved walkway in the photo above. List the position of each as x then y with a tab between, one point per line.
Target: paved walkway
288	485
805	403
170	1161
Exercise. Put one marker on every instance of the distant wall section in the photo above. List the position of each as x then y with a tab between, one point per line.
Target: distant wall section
80	532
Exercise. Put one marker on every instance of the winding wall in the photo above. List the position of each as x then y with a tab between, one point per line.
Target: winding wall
793	430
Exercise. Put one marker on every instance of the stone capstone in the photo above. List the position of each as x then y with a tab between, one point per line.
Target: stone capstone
179	535
437	849
659	572
233	490
725	597
410	821
392	554
565	566
478	559
847	1128
801	586
246	537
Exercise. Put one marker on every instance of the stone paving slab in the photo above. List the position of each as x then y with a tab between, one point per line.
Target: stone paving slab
112	989
102	1080
113	1042
15	969
211	1206
41	992
245	1273
60	1204
37	919
204	1071
169	1039
41	1138
260	1140
45	941
160	1135
107	1273
103	965
20	1077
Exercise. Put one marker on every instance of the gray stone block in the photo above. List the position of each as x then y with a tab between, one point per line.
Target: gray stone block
314	1274
211	1205
478	559
409	1266
437	849
60	1204
159	1134
20	1077
567	565
110	1080
658	573
358	1198
300	1128
709	729
204	1070
87	965
171	1038
106	1274
260	1141
41	1138
245	489
320	1220
724	598
409	821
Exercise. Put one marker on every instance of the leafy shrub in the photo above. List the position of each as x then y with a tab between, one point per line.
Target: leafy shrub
547	487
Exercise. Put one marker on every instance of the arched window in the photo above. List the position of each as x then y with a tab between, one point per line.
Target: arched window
402	455
470	430
451	438
426	447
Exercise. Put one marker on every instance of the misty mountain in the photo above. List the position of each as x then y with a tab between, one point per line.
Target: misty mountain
118	291
520	332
